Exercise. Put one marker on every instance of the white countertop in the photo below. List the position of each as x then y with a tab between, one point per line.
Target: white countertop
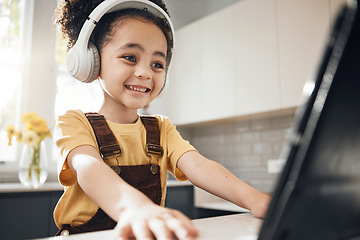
224	206
176	183
232	227
55	186
18	187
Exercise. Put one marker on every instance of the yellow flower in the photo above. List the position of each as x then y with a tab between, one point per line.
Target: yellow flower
31	138
11	132
19	136
36	130
38	125
27	116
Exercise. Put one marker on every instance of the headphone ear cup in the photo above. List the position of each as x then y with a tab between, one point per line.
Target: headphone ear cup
94	60
84	67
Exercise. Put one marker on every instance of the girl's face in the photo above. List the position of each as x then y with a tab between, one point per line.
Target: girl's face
132	71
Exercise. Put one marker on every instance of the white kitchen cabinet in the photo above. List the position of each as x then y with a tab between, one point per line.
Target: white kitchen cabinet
254	56
256	66
335	6
233	66
217	70
159	105
184	91
303	27
202	75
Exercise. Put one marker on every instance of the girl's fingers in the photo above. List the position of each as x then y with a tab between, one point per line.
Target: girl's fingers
142	231
173	225
166	224
182	229
185	223
160	229
123	232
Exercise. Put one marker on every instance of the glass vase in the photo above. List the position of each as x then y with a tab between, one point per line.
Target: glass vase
33	165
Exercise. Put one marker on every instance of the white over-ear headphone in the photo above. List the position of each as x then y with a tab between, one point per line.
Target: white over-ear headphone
83	59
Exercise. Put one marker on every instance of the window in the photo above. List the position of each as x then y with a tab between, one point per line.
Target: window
26	28
33	68
27	65
12	50
73	94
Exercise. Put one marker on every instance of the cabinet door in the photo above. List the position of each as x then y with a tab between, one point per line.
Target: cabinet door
184	77
303	27
24	216
54	198
181	198
218	92
256	70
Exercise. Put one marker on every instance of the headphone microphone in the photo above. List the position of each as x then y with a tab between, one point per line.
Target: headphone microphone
83	59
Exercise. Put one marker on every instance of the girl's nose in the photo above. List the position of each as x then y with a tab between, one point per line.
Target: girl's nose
143	72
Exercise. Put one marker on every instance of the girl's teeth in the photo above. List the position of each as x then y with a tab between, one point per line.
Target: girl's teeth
137	89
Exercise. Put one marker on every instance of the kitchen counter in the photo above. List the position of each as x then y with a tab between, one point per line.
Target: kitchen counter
233	227
18	187
223	206
55	186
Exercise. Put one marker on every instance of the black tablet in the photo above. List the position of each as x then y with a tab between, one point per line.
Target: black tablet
318	191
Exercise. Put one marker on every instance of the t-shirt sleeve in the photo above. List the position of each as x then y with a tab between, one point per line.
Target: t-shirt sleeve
176	147
72	130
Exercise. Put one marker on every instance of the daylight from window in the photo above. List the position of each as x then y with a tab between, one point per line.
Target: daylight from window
18	21
11	68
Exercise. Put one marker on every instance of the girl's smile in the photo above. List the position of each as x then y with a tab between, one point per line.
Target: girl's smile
139	89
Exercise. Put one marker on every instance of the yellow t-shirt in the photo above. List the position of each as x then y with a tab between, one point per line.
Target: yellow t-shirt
73	130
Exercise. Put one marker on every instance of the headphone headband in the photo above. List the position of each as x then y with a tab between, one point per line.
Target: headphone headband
83	58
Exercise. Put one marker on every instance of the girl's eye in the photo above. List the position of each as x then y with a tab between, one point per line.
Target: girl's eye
157	65
130	58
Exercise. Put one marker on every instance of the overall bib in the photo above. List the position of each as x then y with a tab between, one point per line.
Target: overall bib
145	178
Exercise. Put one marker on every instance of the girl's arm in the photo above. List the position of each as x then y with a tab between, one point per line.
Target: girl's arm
216	179
136	214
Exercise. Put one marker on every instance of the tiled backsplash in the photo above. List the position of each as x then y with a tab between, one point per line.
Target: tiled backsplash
243	146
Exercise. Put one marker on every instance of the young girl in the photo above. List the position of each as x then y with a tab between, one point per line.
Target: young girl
134	40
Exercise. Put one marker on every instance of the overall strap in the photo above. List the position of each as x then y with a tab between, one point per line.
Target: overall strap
106	140
153	146
152	135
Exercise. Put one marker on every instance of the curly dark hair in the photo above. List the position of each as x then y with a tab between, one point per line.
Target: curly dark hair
72	14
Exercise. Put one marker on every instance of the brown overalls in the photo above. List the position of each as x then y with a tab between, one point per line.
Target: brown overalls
145	178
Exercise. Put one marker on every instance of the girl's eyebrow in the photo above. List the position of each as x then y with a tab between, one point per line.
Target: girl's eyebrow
138	46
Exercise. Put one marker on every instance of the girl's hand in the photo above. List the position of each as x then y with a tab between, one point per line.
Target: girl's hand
151	221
